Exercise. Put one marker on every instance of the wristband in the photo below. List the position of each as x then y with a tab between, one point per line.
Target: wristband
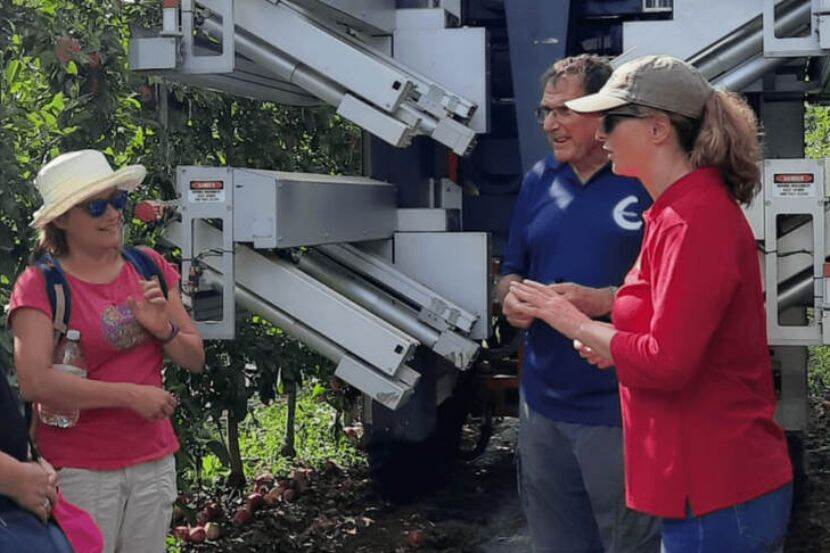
174	331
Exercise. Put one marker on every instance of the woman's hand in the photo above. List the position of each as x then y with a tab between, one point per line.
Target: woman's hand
151	403
35	488
152	310
594	302
592	356
541	302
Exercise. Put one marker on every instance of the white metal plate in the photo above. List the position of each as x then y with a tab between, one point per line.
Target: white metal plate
455	265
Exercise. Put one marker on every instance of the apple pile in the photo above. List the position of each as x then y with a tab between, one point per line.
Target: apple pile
268	491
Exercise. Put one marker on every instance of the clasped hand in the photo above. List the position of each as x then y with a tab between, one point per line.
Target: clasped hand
528	300
36	488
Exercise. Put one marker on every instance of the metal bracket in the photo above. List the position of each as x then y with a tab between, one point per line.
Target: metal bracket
193	63
436	311
795	47
784	194
201	202
389	392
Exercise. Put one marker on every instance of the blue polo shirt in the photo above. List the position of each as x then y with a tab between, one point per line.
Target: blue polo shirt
566	231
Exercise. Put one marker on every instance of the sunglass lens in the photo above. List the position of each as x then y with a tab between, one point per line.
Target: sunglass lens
119	200
608	124
97	207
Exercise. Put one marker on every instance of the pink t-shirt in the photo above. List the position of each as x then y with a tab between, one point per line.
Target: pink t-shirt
117	349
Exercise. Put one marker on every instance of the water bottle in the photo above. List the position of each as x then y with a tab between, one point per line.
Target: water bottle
68	359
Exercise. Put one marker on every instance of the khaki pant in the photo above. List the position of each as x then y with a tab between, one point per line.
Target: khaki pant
132	506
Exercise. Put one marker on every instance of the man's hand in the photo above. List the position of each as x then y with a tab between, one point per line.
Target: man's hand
510	306
514	312
594	302
541	302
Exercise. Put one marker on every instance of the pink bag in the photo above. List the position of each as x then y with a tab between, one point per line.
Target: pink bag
78	526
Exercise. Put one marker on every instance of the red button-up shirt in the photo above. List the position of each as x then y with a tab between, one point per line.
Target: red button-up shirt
692	359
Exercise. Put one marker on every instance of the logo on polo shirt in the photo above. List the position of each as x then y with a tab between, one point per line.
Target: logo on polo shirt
627	220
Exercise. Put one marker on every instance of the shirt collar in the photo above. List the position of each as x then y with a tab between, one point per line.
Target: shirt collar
551	164
680	188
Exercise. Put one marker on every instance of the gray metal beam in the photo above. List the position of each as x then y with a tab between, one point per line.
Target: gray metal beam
280	283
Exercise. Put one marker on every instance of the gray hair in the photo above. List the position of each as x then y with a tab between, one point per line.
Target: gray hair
592	69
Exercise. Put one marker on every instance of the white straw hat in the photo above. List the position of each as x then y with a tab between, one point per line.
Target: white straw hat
71	178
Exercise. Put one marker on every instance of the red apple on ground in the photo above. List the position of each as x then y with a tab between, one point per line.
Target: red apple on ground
273	497
255	501
197	534
182	533
242	516
212	531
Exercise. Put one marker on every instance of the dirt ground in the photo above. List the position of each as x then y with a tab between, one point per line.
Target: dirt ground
810	523
478	513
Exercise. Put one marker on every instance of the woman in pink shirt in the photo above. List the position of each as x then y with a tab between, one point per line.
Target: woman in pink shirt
117	461
689	336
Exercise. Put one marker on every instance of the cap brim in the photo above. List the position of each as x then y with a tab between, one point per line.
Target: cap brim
593	103
127	178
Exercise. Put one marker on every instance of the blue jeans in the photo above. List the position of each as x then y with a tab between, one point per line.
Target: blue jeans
572	488
757	526
21	531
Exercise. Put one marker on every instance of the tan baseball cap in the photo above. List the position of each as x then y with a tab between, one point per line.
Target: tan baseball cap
660	82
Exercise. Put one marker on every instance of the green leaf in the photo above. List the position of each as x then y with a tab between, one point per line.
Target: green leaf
71	68
12	70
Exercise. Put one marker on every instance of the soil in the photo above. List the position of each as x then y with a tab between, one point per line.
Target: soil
478	512
810	524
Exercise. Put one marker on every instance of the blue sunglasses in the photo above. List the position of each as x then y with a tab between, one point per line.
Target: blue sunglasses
96	208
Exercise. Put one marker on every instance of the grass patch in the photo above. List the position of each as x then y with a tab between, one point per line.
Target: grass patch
818	373
262	436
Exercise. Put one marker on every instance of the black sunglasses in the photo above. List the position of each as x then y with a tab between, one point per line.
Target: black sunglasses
611	119
96	208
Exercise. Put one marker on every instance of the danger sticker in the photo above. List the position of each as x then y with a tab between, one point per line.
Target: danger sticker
794	185
206	191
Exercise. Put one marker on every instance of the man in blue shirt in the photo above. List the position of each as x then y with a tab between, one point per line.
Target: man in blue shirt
576	227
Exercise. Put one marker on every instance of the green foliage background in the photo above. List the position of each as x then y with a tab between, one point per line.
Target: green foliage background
66	85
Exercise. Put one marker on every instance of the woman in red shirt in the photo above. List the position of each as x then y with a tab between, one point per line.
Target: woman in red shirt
117	461
688	338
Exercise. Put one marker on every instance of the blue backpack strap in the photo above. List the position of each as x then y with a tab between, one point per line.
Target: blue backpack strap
145	265
57	289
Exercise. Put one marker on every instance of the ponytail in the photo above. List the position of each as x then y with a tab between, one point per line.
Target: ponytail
727	138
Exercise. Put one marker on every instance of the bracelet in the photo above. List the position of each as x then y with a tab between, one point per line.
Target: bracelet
174	331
